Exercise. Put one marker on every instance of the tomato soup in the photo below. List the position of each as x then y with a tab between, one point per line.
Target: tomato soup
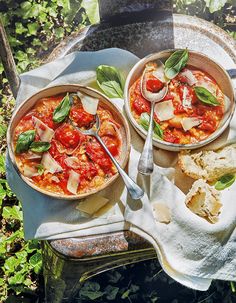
182	117
56	156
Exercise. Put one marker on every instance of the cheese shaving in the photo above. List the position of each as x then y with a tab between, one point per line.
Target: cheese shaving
90	104
164	110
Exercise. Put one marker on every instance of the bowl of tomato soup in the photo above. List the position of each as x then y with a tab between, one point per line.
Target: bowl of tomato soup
197	108
57	159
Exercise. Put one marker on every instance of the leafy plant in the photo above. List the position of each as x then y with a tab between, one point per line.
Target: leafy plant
205	96
110	81
225	181
39	146
62	110
175	63
24	141
144	121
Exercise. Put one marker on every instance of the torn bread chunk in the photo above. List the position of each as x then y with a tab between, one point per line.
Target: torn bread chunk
209	165
204	201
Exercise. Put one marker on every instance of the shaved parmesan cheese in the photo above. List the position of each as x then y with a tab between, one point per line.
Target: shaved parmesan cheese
31	155
188	123
164	110
90	104
45	133
72	162
73	182
30	171
50	164
55	179
189	76
187	101
92	205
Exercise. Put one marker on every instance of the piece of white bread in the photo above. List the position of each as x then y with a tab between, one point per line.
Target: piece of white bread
204	201
209	165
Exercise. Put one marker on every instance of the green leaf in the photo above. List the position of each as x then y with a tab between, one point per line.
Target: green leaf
144	122
62	110
111	292
18	278
215	5
91	290
110	81
40	169
39	146
2	164
24	141
20	29
11	263
175	63
59	32
225	181
13	212
33	28
92	10
36	262
205	96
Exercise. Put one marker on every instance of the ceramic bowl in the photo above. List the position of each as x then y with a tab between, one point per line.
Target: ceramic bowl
197	60
51	91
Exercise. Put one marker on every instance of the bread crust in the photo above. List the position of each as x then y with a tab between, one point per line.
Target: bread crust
208	165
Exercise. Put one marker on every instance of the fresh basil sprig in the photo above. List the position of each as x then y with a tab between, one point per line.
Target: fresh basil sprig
175	63
39	146
24	141
40	169
144	121
62	110
225	181
205	96
110	81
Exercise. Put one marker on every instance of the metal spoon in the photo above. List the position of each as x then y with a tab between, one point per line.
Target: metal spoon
145	165
134	190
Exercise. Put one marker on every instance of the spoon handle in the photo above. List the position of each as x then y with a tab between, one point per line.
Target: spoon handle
145	165
134	190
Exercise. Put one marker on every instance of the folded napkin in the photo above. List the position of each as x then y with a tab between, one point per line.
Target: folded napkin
190	250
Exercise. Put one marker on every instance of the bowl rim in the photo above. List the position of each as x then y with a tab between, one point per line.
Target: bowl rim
76	87
164	144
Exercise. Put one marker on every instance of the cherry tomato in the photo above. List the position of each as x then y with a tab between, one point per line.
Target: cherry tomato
154	85
112	144
96	153
68	136
49	122
87	170
169	137
208	125
141	105
81	117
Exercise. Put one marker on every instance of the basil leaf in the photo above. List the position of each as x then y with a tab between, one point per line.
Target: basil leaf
40	169
62	110
175	63
205	96
24	140
144	121
225	181
110	81
39	146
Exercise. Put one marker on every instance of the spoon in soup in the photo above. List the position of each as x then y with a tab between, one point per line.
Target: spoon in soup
134	190
154	87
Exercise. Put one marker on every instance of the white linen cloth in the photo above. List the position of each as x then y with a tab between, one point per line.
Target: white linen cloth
190	250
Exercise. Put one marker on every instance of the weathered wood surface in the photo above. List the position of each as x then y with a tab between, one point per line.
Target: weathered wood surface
8	61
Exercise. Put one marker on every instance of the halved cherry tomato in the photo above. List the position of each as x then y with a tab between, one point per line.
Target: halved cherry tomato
49	122
141	105
68	136
97	154
169	137
81	117
112	144
154	85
